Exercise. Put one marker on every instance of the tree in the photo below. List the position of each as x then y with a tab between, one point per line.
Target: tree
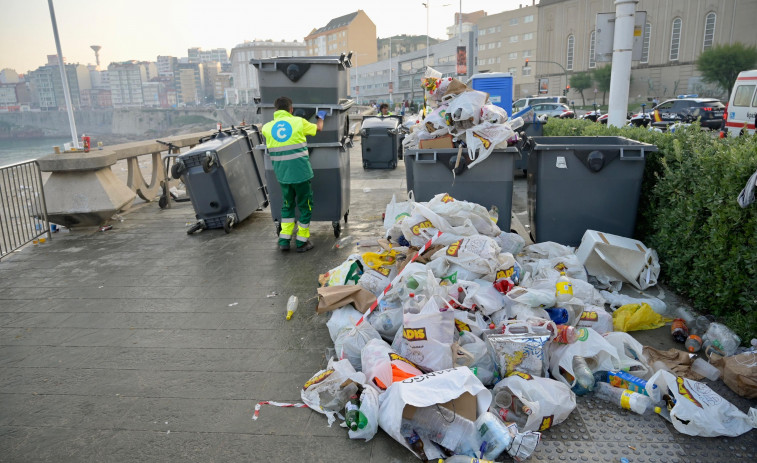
721	64
602	78
580	82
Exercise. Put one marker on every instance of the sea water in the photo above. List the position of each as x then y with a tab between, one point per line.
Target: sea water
16	150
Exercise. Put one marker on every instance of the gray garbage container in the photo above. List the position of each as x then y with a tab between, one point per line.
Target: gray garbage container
380	141
336	125
306	80
489	183
583	183
531	129
225	179
331	185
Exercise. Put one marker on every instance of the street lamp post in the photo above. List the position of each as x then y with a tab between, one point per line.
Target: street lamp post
553	62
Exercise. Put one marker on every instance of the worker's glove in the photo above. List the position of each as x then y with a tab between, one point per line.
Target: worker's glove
321	114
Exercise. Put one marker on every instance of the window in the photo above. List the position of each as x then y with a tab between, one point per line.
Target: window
513	38
527	54
499	28
498	61
481	46
709	31
492	45
571	43
528	19
528	36
513	21
512	71
675	39
513	55
592	41
482	32
499	44
742	95
526	71
492	30
645	43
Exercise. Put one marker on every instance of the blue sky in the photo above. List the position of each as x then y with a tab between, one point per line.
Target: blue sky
144	29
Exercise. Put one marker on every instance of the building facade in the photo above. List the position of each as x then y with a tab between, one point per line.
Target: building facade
505	41
245	76
47	86
166	65
353	32
674	36
189	83
126	80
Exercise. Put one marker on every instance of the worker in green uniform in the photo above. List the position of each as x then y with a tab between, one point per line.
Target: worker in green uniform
286	144
384	110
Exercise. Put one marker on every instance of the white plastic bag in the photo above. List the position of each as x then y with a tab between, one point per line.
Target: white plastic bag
482	360
386	322
510	242
470	322
369	406
550	401
324	392
476	253
596	318
341	318
532	297
483	138
630	354
439	387
547	250
350	341
383	366
449	271
698	410
493	113
467	106
457	212
486	297
618	300
396	212
426	339
423	224
376	280
600	355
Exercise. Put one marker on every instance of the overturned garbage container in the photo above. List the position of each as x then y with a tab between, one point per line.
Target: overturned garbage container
306	80
583	183
380	141
489	183
224	177
331	185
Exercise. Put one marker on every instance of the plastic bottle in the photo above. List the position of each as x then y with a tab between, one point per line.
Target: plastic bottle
292	304
463	459
637	403
702	367
583	374
516	123
413	439
686	314
566	334
559	315
722	338
679	330
412	304
354	418
563	289
693	343
344	241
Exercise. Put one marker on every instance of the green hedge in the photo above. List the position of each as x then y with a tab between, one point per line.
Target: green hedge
688	213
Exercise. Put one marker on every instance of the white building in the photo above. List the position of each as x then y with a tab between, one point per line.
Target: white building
245	76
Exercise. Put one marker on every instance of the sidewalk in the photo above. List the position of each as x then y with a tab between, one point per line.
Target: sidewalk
145	344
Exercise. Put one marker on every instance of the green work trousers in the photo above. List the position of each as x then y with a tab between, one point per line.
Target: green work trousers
301	196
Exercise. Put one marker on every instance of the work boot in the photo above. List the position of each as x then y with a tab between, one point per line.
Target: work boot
283	245
305	247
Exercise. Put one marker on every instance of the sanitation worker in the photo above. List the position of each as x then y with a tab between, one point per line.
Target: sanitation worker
384	110
285	139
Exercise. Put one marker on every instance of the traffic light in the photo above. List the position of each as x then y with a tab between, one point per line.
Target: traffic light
526	63
565	90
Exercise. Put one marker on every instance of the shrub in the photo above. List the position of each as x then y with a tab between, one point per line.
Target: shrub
688	213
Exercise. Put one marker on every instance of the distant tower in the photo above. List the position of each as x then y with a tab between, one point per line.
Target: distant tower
96	48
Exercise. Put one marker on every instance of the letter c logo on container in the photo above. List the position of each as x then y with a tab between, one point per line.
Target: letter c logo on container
281	131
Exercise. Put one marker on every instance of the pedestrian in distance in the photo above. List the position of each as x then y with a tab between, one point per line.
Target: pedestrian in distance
287	146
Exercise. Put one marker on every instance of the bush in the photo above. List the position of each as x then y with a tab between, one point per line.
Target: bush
688	213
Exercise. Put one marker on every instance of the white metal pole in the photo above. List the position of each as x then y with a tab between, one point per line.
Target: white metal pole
357	81
64	78
620	79
391	103
428	4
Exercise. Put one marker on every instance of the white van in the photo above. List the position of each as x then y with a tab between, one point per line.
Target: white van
741	112
523	102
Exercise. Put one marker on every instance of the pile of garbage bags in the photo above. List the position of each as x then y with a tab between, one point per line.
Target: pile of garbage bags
472	343
465	115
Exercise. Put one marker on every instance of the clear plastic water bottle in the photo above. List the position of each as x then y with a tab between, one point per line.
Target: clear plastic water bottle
292	304
413	303
563	289
722	338
637	403
693	343
584	375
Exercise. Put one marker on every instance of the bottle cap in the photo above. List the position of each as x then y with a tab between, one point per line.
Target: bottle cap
411	294
657	410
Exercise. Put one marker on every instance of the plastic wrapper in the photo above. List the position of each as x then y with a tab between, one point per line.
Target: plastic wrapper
522	347
493	114
634	317
329	390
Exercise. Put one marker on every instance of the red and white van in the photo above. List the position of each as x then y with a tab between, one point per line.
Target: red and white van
741	112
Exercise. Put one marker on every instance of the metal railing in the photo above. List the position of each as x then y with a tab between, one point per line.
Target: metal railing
23	212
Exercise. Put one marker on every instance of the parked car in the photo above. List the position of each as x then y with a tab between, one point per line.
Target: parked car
689	108
523	102
741	111
552	110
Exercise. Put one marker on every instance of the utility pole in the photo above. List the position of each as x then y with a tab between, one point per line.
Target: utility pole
64	78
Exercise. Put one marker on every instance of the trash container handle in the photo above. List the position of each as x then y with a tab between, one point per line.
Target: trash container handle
635	154
267	66
433	160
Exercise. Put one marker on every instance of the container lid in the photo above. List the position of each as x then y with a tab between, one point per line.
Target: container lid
375	122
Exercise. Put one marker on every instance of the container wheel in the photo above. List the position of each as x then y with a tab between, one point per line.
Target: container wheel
337	229
365	164
207	164
278	228
176	171
227	224
346	215
194	228
163	202
392	165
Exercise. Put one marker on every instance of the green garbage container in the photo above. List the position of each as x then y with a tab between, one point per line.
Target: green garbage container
583	183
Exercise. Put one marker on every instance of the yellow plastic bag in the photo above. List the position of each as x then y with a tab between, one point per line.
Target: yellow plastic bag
634	317
376	260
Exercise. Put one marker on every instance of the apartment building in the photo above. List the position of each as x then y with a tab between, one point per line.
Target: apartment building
245	76
47	86
675	34
126	80
505	41
166	65
189	84
211	69
352	32
401	44
466	22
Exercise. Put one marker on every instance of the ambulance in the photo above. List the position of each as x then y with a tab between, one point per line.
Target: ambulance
741	112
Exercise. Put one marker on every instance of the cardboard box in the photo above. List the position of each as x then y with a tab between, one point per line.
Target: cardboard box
465	406
444	142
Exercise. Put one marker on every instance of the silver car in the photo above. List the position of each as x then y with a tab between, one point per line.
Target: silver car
551	109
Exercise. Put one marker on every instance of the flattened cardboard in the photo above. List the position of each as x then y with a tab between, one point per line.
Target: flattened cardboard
465	406
443	142
334	297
